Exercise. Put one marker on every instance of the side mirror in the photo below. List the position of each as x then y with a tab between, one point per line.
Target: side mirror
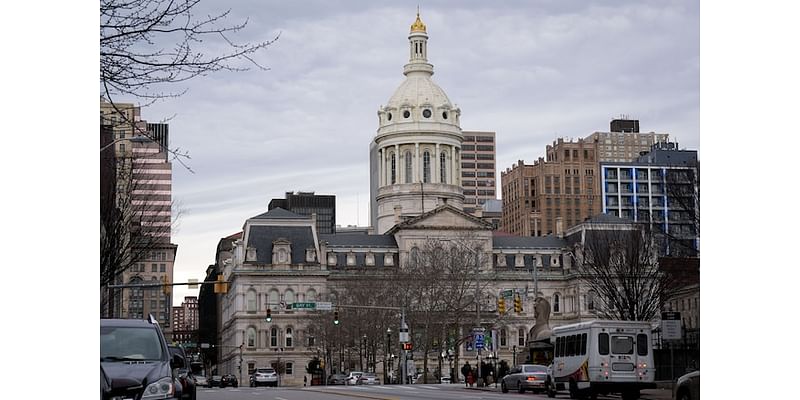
177	361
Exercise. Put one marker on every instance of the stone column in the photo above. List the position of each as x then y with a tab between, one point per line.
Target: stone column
396	163
416	164
436	178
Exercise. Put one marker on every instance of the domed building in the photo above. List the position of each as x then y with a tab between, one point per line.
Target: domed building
415	155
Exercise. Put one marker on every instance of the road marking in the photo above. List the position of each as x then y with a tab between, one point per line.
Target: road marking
279	398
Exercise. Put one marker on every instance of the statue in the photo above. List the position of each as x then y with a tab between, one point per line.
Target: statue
541	314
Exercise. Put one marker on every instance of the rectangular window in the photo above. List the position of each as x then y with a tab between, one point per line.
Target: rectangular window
289	368
583	344
251	368
154	268
642	344
602	344
570	338
622	345
163	267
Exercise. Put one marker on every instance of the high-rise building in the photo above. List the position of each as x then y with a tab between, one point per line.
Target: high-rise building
140	182
185	321
478	161
308	203
554	193
624	142
659	188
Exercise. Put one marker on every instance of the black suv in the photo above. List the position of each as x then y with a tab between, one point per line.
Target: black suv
135	361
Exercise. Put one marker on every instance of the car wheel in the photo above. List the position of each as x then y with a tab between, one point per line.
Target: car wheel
551	390
503	387
684	395
630	395
520	388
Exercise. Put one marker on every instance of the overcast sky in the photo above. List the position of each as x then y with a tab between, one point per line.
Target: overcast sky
531	71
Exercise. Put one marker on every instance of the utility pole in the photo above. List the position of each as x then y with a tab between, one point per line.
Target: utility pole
478	307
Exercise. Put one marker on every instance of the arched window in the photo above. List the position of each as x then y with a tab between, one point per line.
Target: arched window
251	337
311	295
288	297
394	169
251	300
426	167
409	171
274	298
443	168
273	337
590	300
556	303
521	337
289	337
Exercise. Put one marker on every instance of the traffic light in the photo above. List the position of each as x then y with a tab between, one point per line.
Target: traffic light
501	305
269	315
167	287
336	317
517	303
220	287
408	346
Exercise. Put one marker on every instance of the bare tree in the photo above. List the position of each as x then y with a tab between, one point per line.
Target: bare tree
621	266
146	45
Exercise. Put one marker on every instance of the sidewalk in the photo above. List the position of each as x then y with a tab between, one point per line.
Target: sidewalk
646	394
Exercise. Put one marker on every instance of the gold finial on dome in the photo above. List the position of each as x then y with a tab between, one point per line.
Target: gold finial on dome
418	26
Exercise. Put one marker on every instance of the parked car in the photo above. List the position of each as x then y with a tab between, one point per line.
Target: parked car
525	377
337	379
216	380
185	377
446	379
352	379
368	378
687	387
229	380
201	381
264	376
134	359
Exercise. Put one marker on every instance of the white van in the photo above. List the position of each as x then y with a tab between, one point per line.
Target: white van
601	357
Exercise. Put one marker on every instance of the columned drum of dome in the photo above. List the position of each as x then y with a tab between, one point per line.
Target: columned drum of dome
418	129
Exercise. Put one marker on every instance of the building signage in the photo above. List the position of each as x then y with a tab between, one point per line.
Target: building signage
671	325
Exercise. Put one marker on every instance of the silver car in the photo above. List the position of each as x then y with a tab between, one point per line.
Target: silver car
264	376
687	387
201	380
525	377
368	378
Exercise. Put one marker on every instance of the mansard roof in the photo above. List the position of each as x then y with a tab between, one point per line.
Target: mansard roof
261	237
358	240
527	242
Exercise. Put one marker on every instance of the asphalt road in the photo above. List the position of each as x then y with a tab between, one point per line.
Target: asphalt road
381	392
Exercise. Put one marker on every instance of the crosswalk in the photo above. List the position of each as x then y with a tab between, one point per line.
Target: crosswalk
383	387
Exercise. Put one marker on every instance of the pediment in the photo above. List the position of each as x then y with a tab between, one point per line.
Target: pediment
444	217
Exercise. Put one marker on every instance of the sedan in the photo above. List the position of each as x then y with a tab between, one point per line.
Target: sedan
216	380
201	380
229	380
368	378
525	377
337	379
687	387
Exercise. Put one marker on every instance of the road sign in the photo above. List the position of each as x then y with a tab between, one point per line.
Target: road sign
304	305
671	325
507	293
205	345
324	305
479	338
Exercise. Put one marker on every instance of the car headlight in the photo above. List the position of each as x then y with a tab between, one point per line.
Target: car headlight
161	389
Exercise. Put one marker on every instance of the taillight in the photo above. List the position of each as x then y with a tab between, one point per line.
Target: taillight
531	378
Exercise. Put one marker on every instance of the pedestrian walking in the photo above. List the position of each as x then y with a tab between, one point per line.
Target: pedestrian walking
466	371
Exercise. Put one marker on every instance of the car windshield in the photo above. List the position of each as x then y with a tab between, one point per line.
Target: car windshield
265	371
369	375
535	368
123	343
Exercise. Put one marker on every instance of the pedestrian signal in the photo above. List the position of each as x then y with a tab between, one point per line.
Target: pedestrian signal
408	346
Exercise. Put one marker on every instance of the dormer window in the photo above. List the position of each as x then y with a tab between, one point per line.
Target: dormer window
282	252
311	255
406	114
444	114
370	259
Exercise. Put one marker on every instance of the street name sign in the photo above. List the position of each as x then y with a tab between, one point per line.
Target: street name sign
671	325
324	305
304	305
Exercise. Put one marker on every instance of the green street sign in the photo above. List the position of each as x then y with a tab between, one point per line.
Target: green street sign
304	305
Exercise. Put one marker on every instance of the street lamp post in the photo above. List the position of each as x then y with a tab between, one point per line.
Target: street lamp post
387	356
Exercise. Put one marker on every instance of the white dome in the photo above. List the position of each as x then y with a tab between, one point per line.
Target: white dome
418	91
